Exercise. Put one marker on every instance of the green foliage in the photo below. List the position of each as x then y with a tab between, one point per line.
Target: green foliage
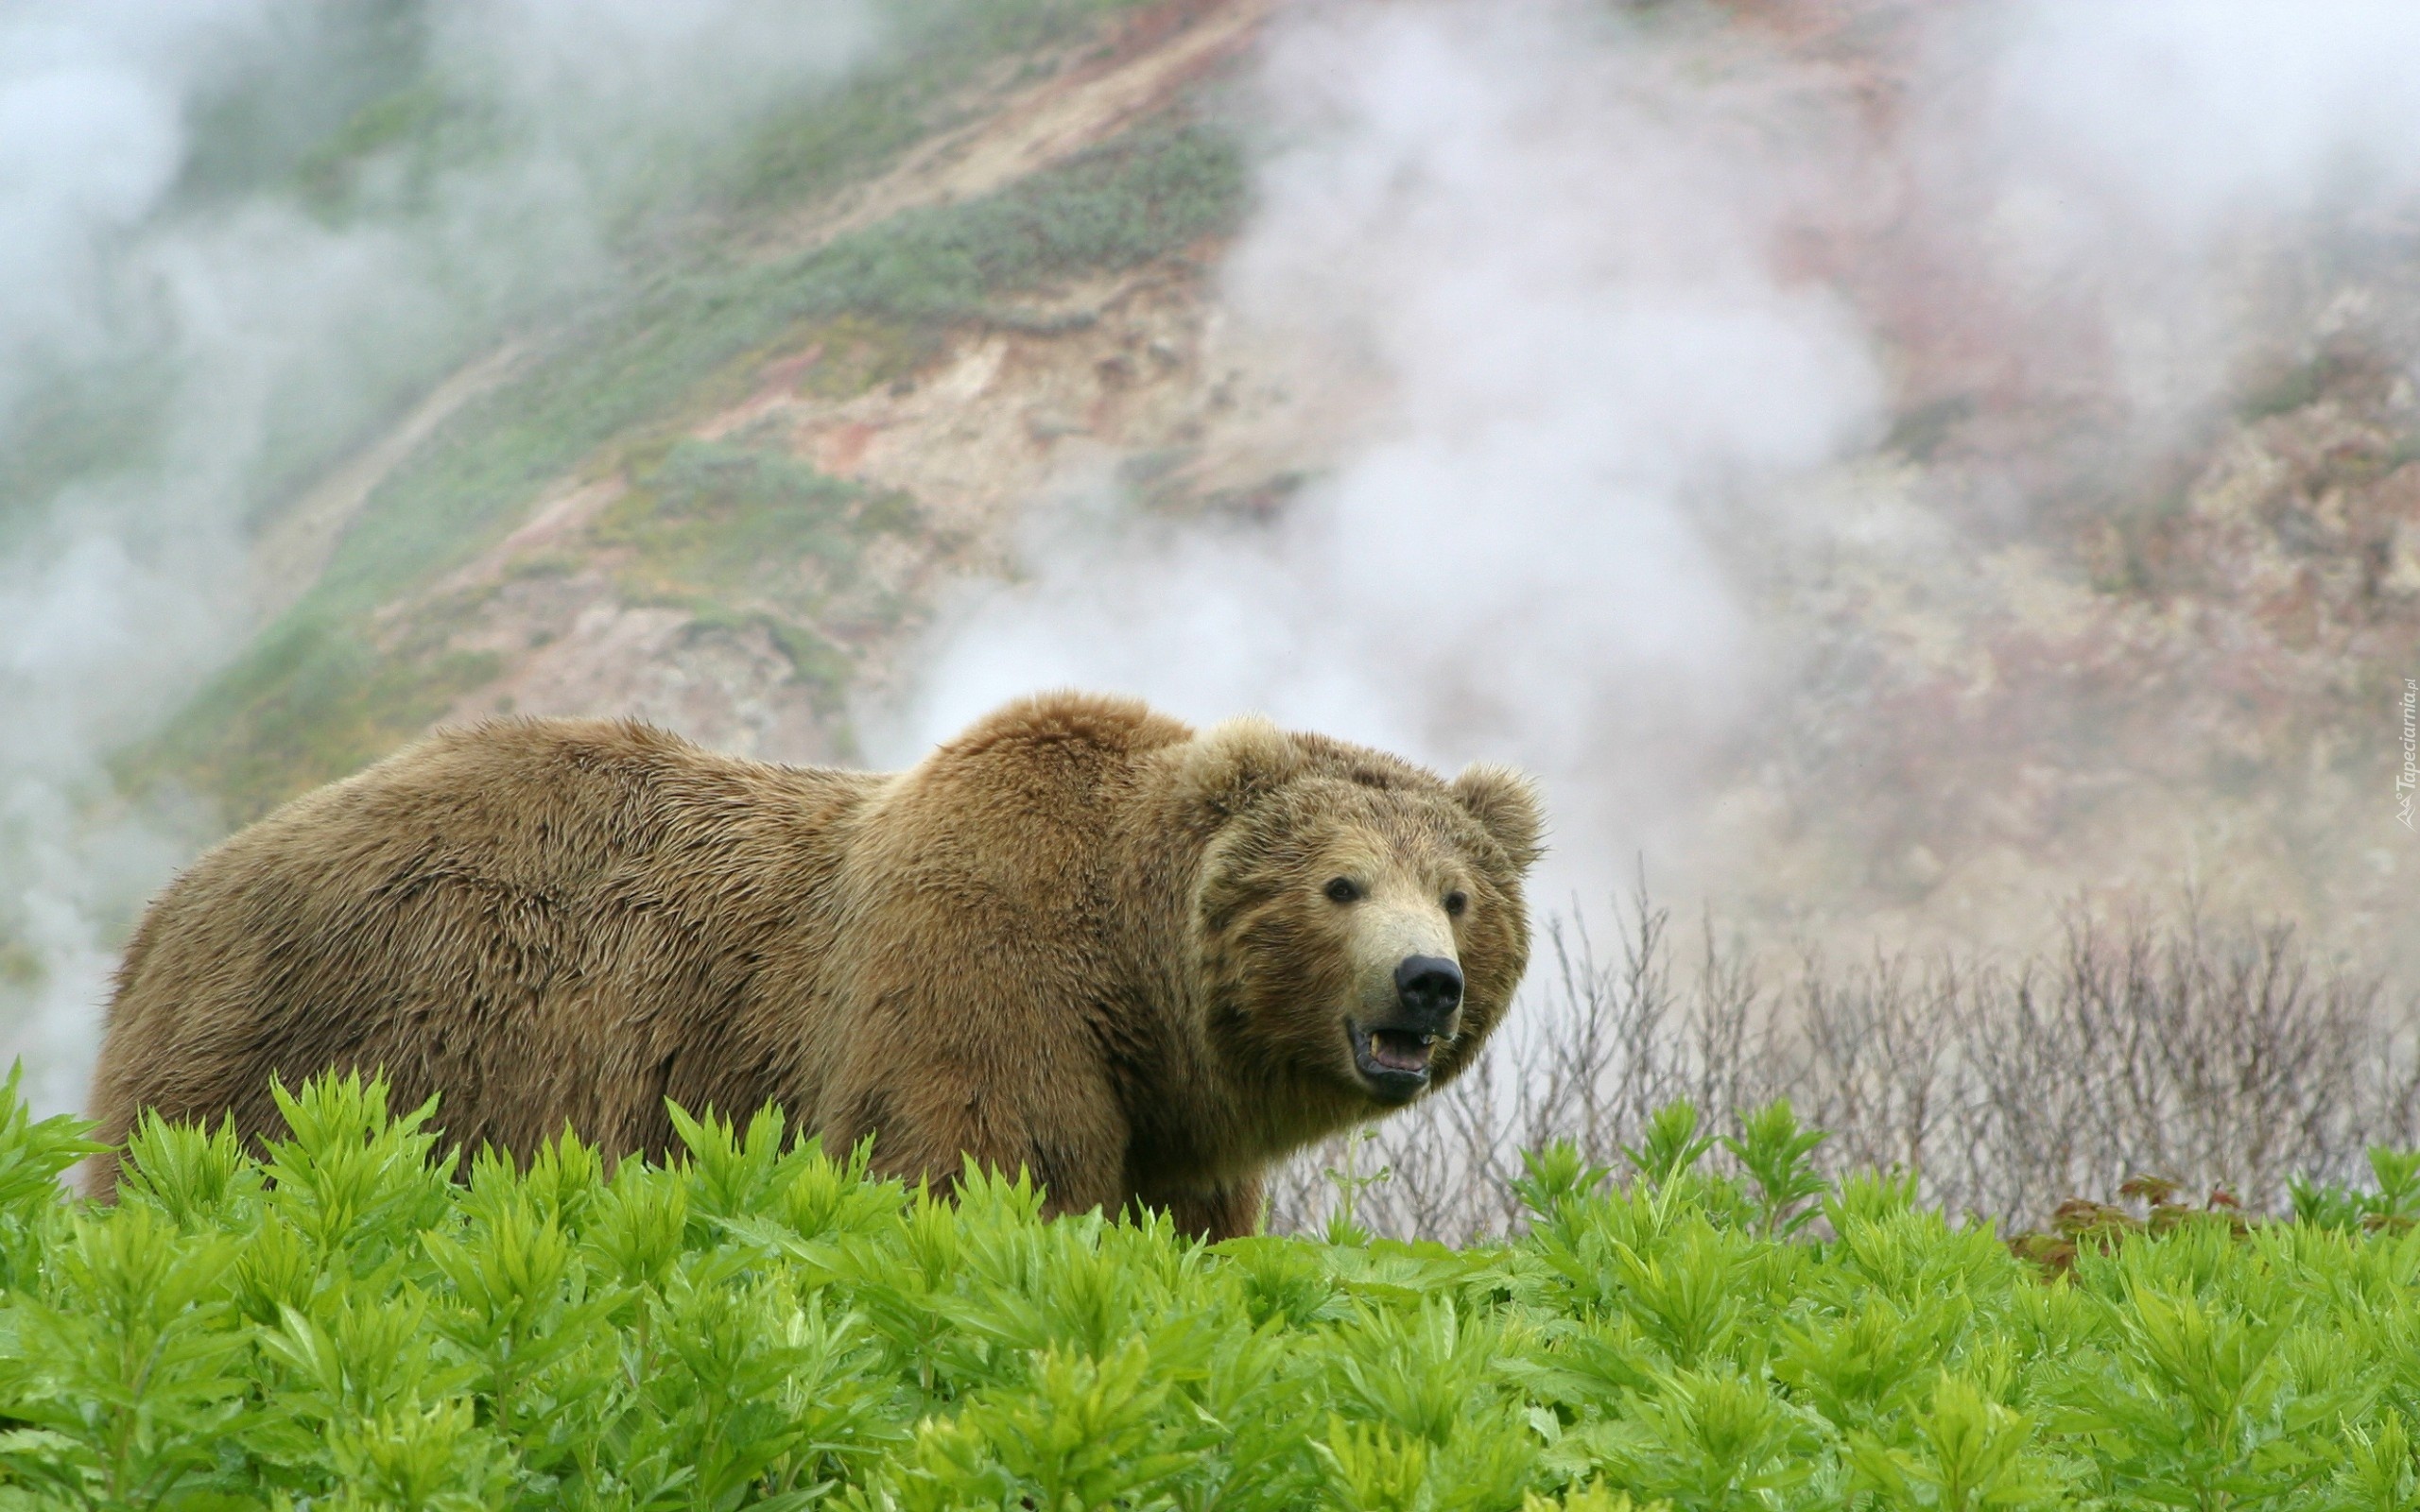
33	1156
938	47
716	525
1775	1151
404	117
1672	1147
341	1321
314	697
2395	1203
1351	1181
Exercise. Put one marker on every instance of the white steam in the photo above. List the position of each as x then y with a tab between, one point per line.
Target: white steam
1565	248
1559	258
1562	244
125	581
2135	165
2177	112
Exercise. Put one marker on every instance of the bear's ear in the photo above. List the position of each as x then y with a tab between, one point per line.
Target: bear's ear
1234	762
1506	805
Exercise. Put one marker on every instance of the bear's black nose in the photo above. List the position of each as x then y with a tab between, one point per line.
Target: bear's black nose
1430	989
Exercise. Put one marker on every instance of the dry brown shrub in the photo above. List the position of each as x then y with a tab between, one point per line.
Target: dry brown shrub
2212	1056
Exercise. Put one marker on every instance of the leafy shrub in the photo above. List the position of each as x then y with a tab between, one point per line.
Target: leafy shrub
351	1320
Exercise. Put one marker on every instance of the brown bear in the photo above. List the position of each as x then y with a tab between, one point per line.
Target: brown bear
1081	938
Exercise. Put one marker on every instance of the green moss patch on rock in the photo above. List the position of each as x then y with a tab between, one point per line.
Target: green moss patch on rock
741	521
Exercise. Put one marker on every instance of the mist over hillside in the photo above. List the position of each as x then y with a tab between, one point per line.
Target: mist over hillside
1546	253
1889	468
1802	443
239	238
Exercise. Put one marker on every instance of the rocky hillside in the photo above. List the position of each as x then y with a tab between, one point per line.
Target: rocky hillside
731	492
727	499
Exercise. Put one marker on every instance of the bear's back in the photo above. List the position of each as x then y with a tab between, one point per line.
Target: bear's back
551	919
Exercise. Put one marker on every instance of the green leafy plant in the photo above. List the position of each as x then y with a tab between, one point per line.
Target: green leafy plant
1351	1183
1775	1151
348	1317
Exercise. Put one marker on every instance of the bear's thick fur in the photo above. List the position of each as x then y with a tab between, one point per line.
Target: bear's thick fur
1141	961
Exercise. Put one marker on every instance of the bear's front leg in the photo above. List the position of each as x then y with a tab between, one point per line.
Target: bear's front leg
1228	1213
1073	1147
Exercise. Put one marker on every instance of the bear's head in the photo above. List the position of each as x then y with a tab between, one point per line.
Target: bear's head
1360	921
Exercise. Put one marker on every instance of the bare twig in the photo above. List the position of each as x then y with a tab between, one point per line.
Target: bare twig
2217	1057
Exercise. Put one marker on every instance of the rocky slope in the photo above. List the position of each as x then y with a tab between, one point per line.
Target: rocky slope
727	505
732	501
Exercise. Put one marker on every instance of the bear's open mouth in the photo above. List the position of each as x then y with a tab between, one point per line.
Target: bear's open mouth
1394	1062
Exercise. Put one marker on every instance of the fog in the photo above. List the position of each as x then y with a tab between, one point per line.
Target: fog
1630	285
1642	290
1551	251
185	329
2141	158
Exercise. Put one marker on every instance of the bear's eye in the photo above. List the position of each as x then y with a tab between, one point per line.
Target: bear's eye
1455	901
1342	890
